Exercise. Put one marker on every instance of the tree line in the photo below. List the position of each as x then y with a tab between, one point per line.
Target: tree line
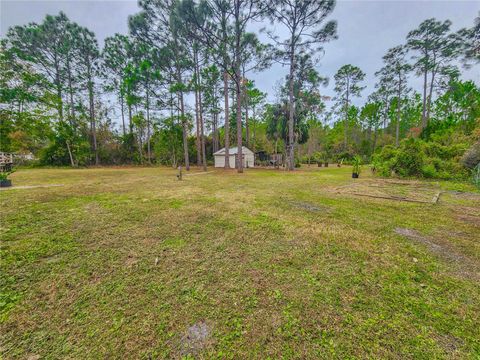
181	85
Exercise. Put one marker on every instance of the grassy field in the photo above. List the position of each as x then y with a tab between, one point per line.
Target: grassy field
131	263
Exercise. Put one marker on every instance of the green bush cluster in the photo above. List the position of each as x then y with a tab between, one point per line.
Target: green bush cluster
305	159
315	158
418	158
346	156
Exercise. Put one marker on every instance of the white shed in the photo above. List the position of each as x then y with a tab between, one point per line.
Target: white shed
248	157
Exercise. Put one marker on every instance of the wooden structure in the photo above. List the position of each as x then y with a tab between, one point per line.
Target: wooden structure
276	159
248	157
262	158
6	162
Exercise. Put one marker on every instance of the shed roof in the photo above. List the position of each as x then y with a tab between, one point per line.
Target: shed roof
233	151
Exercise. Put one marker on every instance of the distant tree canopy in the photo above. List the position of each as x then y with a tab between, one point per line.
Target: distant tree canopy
179	86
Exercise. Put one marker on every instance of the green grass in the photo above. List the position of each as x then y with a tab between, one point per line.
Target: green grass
120	263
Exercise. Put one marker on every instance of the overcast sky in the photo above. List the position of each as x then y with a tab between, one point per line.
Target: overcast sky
366	30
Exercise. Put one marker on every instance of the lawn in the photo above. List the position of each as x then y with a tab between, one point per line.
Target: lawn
132	263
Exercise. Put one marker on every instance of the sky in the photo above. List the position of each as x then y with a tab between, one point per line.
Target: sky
366	30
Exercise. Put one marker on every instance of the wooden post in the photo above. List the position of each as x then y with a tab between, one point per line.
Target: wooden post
179	175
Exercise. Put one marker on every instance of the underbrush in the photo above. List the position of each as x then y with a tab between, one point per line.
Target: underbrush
419	158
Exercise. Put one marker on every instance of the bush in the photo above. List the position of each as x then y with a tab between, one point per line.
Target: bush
356	162
383	161
417	158
471	158
5	174
429	171
305	159
346	156
56	153
410	159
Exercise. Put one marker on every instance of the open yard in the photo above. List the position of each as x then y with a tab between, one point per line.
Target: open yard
132	263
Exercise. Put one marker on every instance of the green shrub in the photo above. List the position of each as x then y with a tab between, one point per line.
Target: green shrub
417	158
346	156
429	171
5	174
57	154
356	162
388	152
410	159
433	149
305	159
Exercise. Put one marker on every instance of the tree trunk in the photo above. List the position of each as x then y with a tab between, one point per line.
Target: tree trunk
123	114
239	125
245	101
197	117
424	101
215	132
291	115
72	111
345	130
92	116
140	144
227	121
202	134
276	153
70	88
72	163
247	127
149	150
238	82
183	119
60	104
200	114
184	132
197	130
58	85
254	127
225	91
174	157
397	125
429	99
130	124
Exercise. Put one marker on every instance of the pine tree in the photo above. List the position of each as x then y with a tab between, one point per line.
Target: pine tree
347	86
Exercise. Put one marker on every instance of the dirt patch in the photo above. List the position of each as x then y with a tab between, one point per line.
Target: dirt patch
465	195
471	219
199	173
29	187
415	235
131	261
450	343
464	266
409	191
195	339
307	206
469	215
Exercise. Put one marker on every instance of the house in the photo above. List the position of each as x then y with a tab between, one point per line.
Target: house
247	154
